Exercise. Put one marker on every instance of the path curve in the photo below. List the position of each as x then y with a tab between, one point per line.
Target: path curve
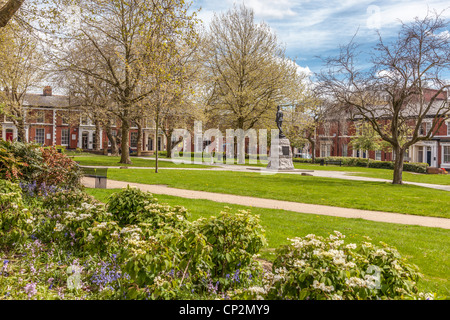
282	205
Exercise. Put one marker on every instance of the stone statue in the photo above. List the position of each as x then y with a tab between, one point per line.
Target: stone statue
279	121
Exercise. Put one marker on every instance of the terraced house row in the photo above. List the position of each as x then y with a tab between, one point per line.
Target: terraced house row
333	138
50	121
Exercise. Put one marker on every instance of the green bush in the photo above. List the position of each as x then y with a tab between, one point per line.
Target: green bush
15	220
128	205
320	268
360	162
63	200
235	238
42	167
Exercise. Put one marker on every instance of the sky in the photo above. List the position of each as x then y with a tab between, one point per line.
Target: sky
314	29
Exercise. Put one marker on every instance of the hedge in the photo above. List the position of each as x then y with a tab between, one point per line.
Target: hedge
358	162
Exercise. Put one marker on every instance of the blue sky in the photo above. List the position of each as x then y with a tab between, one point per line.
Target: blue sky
311	28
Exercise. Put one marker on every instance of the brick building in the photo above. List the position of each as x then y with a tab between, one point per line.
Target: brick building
333	138
50	121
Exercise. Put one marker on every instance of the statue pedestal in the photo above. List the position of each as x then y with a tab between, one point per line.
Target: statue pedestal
284	156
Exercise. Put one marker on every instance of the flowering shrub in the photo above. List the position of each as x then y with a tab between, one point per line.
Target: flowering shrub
60	170
127	205
320	268
32	164
61	200
68	246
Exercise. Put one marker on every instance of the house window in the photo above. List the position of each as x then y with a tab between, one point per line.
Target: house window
64	119
65	137
378	155
40	136
446	154
40	117
448	129
344	150
325	150
84	120
425	128
133	139
420	154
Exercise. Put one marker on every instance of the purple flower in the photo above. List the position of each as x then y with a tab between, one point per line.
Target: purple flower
30	289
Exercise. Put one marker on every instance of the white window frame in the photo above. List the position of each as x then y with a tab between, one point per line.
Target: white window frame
43	136
444	147
378	155
325	150
134	135
345	148
65	137
87	122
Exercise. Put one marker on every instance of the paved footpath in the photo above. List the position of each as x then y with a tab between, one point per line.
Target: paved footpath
282	205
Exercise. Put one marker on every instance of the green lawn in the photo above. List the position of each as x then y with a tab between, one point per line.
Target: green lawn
376	196
425	247
99	160
380	173
367	172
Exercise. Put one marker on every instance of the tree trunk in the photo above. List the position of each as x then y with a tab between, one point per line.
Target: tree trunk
313	149
125	145
169	144
21	135
97	146
8	11
156	141
113	140
398	166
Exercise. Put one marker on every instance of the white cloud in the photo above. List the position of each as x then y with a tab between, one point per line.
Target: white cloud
272	9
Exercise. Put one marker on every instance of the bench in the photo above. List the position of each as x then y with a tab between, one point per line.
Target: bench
100	175
336	162
327	162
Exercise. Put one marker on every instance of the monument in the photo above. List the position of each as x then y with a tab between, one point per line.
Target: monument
284	153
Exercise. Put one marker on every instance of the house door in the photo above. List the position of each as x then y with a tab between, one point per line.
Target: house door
150	144
85	141
429	156
9	135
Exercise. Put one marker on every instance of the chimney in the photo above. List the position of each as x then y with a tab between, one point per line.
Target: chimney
47	91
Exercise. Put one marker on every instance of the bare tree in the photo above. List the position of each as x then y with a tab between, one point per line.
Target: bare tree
122	43
21	61
394	96
246	71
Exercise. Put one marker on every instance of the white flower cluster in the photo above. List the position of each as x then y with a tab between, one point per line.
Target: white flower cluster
280	274
73	216
87	206
59	227
159	281
90	238
369	282
321	286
